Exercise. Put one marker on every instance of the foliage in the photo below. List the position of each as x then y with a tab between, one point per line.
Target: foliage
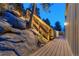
47	21
57	26
46	6
34	8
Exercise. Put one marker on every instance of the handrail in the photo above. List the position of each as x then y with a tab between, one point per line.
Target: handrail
42	28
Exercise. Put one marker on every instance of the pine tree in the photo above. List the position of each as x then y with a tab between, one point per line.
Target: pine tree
57	26
47	21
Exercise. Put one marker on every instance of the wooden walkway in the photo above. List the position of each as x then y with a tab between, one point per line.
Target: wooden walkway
57	47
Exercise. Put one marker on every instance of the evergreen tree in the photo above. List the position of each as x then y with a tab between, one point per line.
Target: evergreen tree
47	21
22	8
57	26
46	6
38	12
34	5
32	12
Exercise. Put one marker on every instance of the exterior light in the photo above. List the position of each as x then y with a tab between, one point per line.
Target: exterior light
65	23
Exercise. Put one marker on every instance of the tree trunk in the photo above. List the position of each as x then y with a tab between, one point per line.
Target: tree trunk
31	15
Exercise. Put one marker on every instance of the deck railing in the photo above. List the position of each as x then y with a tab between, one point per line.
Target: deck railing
44	30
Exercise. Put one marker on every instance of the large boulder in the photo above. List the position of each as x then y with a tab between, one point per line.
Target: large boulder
30	38
14	36
4	27
14	21
23	43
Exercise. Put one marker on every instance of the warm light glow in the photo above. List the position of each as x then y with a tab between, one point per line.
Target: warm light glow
65	23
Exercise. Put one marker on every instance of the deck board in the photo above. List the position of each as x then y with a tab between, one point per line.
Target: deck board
59	49
62	50
47	51
56	47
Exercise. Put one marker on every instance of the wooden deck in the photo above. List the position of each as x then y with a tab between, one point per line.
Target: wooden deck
57	47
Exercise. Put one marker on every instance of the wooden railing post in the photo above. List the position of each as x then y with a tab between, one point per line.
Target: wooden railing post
41	27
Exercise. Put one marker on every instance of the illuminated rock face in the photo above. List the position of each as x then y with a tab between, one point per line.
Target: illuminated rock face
12	6
17	44
15	39
3	6
72	29
14	21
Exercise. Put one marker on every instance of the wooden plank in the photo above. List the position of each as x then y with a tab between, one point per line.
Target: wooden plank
39	20
65	48
56	48
43	33
49	50
69	50
44	50
52	48
62	49
35	24
59	48
38	51
40	30
44	28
